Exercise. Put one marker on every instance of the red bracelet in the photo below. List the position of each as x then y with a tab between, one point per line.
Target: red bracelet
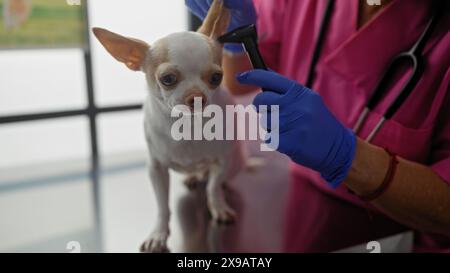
387	180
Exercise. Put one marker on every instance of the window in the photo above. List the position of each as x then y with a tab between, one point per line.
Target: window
47	118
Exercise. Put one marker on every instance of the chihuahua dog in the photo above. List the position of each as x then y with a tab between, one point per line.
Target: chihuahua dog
180	69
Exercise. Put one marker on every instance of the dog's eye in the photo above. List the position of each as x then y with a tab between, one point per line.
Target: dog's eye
169	80
216	79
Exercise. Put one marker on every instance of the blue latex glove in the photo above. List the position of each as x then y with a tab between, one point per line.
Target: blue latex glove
242	13
308	132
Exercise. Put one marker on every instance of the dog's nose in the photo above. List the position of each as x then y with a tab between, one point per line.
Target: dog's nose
191	98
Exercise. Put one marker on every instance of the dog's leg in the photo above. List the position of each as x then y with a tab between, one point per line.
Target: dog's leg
193	181
218	206
159	176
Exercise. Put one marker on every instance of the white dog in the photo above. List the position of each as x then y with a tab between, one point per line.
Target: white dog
180	68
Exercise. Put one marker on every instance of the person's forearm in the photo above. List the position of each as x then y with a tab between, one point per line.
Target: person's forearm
417	197
234	64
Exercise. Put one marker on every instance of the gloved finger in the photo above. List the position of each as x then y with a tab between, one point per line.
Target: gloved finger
234	4
231	4
242	9
195	9
203	4
266	98
267	80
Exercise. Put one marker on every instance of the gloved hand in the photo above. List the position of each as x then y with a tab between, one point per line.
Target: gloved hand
242	13
308	132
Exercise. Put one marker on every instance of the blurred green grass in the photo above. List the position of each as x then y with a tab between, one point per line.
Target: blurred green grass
52	23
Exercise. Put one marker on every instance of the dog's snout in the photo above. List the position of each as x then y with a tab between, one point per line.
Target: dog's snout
193	97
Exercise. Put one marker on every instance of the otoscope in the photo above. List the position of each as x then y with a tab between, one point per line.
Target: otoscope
248	36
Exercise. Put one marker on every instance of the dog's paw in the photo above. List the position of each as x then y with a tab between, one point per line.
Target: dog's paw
156	243
192	182
222	214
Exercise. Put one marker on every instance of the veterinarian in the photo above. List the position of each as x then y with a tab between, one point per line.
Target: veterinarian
390	175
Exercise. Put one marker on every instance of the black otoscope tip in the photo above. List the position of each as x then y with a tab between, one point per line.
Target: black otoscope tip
248	36
239	35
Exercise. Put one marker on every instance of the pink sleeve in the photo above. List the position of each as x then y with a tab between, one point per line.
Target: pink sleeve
270	16
441	152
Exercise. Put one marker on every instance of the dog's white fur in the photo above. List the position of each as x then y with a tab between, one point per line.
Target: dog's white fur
221	159
192	55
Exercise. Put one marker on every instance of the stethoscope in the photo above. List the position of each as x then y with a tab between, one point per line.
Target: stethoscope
414	57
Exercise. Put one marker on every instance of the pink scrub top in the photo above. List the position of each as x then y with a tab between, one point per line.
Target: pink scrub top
319	219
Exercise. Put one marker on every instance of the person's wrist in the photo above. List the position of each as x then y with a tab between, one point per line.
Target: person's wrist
368	168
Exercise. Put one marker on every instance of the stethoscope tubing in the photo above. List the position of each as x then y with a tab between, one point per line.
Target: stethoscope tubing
415	56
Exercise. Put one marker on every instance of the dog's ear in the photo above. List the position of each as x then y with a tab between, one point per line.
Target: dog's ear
217	20
131	52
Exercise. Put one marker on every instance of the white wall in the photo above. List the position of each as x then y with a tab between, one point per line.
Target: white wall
48	80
